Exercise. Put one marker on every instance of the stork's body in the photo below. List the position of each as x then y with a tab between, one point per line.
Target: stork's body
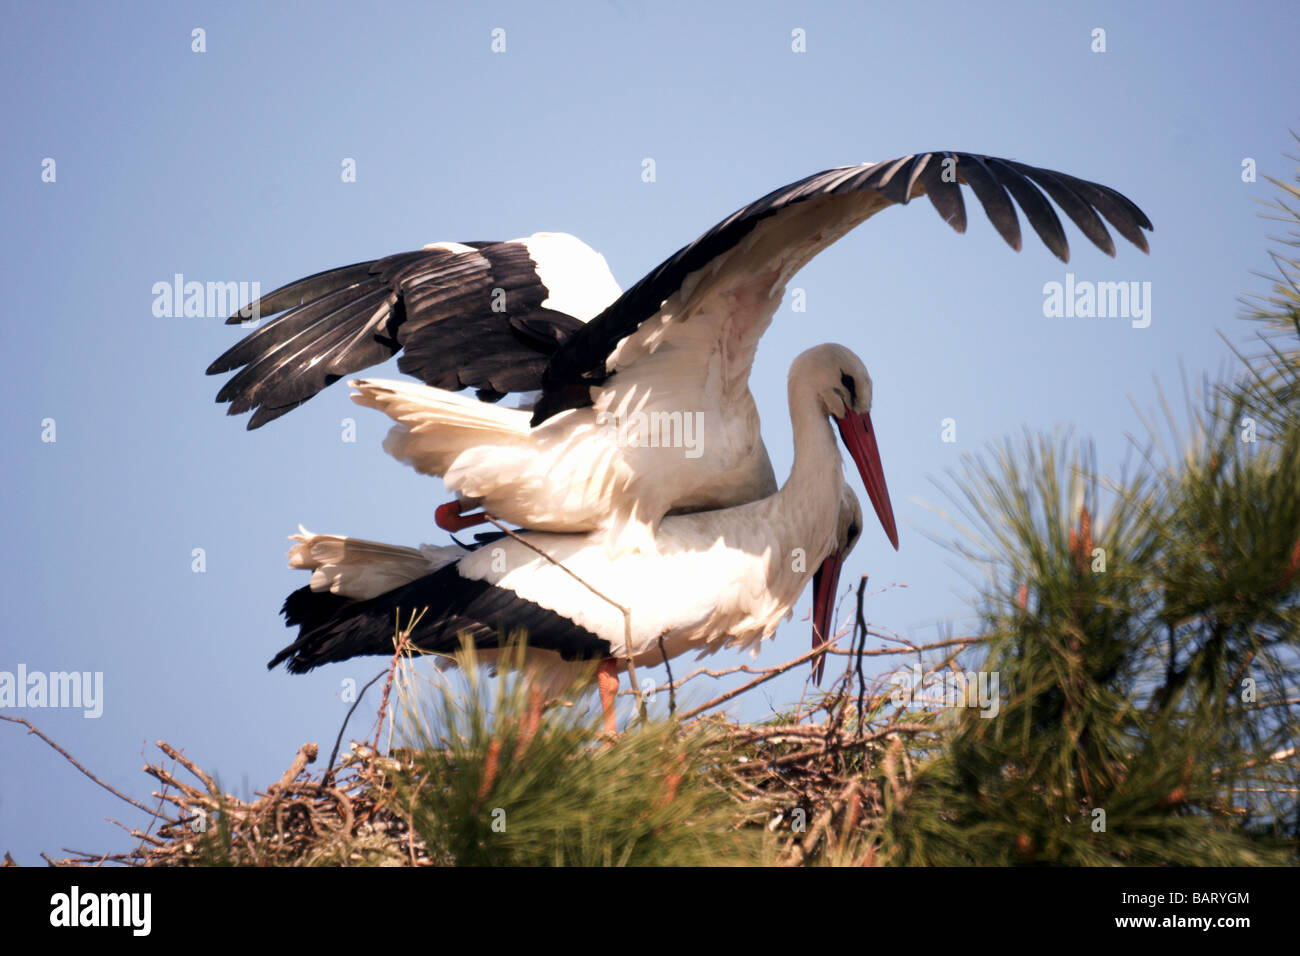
616	467
723	578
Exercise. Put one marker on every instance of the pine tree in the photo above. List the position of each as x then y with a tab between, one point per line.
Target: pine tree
1145	631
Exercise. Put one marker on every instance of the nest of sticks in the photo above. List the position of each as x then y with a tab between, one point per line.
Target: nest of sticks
817	780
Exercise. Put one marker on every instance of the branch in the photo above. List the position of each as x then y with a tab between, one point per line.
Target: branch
338	741
31	729
403	638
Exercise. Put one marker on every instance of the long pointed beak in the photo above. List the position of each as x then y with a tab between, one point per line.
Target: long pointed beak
860	439
826	583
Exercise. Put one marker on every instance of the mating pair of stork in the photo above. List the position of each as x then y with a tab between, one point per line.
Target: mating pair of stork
628	551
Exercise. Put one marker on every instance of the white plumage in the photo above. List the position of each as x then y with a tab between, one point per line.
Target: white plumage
723	578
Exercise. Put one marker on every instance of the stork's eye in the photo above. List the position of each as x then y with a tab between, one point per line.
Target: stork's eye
847	381
854	531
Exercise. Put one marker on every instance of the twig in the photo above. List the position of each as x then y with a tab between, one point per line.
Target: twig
826	648
132	831
672	694
306	754
802	849
31	729
189	765
403	638
767	676
860	645
886	651
338	741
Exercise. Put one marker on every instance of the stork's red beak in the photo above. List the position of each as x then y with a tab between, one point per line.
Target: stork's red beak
860	439
826	583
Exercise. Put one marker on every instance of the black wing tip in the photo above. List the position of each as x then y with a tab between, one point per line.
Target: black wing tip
264	414
256	421
554	400
1138	220
293	664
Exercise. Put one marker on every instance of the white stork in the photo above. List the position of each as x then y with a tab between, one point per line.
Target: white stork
717	578
544	315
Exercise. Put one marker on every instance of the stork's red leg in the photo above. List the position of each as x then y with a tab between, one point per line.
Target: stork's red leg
607	680
451	516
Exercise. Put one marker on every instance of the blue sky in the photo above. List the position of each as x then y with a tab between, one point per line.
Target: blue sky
225	166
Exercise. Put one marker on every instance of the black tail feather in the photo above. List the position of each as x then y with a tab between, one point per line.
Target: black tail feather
333	628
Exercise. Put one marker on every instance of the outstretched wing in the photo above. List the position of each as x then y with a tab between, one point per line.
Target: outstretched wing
734	275
483	315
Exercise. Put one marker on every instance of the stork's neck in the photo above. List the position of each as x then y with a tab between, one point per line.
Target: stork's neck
811	495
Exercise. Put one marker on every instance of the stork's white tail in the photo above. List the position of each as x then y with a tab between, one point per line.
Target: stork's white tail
359	569
492	456
434	426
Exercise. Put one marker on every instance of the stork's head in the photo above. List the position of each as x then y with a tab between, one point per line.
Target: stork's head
844	389
839	378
